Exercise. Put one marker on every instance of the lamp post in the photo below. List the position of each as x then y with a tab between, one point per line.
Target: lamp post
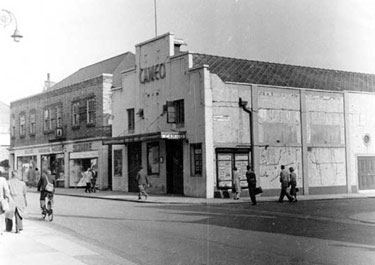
6	18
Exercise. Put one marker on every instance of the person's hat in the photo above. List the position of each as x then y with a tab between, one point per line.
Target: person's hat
291	169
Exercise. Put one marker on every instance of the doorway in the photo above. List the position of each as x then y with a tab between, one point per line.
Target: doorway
175	168
366	172
134	162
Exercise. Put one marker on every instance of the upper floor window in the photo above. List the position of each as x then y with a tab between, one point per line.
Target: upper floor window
13	124
75	114
32	123
176	112
47	119
22	125
91	111
131	123
58	116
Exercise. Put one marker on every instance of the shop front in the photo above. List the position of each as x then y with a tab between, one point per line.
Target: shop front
161	156
30	162
87	155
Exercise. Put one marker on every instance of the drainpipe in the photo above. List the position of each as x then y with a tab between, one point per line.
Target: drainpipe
243	105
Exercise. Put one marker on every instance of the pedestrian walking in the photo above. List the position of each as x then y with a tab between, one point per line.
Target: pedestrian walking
236	183
142	182
93	180
88	179
284	180
4	198
251	182
17	202
293	184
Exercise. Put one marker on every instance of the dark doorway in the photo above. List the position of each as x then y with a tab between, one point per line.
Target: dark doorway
366	172
134	162
175	169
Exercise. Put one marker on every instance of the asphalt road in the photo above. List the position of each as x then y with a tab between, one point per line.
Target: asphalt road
308	232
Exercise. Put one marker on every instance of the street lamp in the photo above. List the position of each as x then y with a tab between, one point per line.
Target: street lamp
6	18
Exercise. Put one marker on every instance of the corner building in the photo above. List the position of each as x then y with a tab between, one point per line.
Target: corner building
62	128
189	118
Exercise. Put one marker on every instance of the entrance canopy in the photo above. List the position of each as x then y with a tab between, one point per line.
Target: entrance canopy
145	137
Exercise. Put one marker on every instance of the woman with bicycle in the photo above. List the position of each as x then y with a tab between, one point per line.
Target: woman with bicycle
46	191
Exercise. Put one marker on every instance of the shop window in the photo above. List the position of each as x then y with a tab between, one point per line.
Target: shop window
22	125
131	122
75	114
196	159
76	169
47	120
153	154
176	112
91	111
13	124
225	163
32	123
117	163
26	169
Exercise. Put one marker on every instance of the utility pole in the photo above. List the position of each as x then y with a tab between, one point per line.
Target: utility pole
156	22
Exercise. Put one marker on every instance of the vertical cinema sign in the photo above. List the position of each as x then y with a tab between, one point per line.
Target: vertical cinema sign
152	73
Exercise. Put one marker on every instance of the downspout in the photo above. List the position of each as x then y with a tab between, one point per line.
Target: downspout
243	105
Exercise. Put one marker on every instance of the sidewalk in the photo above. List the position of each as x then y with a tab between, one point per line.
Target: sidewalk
41	244
179	199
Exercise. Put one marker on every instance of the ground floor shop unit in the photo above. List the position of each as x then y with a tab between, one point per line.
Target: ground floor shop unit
66	160
162	155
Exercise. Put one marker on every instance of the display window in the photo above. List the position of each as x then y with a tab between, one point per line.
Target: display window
226	160
26	166
77	168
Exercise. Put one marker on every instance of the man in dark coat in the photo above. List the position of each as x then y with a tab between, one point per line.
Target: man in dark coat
251	182
284	180
142	182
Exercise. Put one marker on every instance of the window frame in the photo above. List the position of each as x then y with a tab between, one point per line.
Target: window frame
13	125
32	123
90	112
196	159
46	120
22	123
176	112
131	119
75	114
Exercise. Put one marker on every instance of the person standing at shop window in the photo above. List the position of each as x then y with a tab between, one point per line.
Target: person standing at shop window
88	179
93	180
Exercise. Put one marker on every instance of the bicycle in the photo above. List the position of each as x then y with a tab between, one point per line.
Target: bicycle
48	209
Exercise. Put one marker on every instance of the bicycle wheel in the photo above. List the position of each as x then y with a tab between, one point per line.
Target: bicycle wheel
49	211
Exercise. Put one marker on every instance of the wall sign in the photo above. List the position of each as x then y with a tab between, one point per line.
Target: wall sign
152	73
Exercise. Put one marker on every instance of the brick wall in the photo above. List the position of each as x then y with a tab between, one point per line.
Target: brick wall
92	88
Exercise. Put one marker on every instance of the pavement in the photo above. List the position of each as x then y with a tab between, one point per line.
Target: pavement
41	243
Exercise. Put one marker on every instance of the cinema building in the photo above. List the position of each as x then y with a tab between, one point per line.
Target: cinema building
189	118
62	128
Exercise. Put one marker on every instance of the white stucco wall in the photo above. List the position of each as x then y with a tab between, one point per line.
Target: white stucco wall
361	109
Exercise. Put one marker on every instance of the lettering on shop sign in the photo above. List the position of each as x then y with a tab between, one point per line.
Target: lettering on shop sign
82	147
152	73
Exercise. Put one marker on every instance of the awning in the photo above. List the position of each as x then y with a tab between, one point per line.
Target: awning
145	137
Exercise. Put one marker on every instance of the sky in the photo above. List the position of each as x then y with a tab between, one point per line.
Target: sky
62	36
